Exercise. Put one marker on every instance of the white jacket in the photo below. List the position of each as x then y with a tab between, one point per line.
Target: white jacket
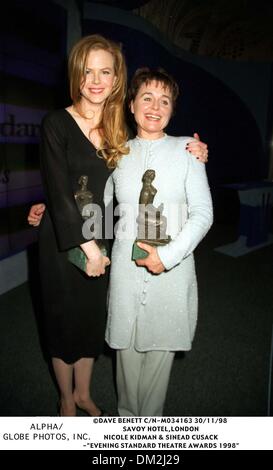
164	307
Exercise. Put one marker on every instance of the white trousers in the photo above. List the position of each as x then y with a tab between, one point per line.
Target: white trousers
142	381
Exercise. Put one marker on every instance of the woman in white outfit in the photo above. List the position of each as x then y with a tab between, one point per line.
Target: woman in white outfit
153	302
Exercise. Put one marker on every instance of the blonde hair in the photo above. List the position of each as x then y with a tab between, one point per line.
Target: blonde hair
113	129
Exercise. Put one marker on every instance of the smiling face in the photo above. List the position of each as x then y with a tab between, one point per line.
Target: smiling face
152	109
99	77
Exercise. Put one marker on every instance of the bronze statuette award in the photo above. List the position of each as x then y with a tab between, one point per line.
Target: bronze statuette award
83	198
152	224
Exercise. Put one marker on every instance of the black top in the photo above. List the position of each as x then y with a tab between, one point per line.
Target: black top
74	304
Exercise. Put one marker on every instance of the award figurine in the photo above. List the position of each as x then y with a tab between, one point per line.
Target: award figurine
152	224
83	198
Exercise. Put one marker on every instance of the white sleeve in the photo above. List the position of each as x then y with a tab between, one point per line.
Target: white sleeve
200	216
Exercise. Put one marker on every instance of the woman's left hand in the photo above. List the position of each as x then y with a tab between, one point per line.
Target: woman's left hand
152	262
198	149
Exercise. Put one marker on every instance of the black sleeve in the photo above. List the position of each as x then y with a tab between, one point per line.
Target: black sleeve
60	199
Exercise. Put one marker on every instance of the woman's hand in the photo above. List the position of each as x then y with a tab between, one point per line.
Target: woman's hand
35	214
152	262
96	267
198	149
96	262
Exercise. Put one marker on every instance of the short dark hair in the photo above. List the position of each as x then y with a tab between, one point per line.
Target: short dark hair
146	75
